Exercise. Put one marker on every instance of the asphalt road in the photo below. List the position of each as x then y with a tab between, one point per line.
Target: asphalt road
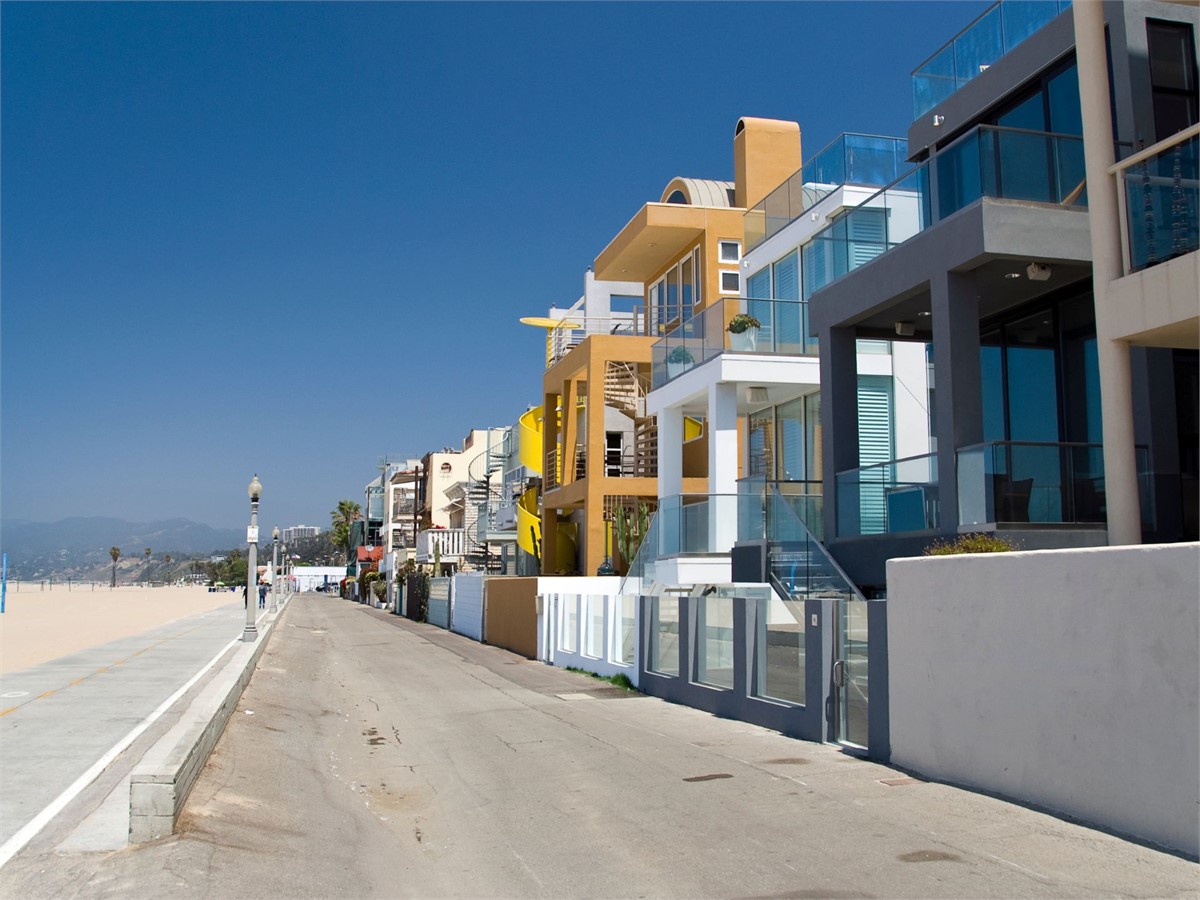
373	757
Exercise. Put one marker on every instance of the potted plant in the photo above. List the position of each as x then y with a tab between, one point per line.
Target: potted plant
743	332
678	361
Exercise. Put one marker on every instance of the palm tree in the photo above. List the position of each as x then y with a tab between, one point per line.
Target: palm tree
115	553
146	553
343	517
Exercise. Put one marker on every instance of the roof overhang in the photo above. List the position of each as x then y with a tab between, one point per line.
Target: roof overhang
656	235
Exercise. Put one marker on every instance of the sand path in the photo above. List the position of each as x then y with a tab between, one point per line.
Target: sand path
41	625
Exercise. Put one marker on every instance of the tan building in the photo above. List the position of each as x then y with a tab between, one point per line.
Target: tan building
685	251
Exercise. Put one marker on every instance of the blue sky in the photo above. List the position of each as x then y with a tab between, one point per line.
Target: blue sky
293	238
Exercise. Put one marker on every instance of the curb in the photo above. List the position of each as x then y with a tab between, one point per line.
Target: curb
159	785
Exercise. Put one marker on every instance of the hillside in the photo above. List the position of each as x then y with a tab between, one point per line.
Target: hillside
78	547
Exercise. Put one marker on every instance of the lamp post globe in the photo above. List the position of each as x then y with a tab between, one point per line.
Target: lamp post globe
250	634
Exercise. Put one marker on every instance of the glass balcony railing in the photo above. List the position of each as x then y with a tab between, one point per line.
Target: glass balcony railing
1005	163
1007	482
1000	28
861	159
782	329
889	497
1161	195
884	220
803	499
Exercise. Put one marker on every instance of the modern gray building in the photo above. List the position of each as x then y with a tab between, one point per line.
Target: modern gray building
1049	421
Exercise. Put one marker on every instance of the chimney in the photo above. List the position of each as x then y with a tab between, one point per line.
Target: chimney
765	154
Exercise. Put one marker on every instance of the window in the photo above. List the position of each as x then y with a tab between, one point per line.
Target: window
678	290
731	282
730	251
1172	54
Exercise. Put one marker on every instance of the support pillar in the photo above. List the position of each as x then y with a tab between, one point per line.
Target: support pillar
959	400
722	466
839	420
1116	391
670	452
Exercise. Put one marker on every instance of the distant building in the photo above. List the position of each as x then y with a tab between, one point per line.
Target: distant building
296	532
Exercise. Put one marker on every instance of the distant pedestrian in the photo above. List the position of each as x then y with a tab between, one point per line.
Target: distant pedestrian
262	596
245	596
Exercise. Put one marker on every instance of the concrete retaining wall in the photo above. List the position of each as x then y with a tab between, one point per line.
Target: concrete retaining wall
160	784
1067	679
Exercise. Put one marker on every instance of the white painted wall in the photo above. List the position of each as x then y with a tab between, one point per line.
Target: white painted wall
559	598
466	617
1064	678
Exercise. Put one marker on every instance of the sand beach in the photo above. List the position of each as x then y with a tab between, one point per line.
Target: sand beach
40	624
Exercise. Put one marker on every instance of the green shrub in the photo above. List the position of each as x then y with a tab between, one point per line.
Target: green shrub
972	543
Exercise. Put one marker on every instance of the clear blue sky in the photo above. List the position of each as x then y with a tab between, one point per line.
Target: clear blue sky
293	238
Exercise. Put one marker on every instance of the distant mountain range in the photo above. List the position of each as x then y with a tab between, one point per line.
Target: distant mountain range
79	545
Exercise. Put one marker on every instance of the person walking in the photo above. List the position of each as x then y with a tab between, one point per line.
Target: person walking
262	595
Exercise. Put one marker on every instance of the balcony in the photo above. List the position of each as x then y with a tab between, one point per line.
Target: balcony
1159	193
1017	482
560	341
849	159
783	331
889	497
450	543
1001	27
1002	163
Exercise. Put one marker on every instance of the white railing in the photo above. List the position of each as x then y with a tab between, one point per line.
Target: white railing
562	340
451	543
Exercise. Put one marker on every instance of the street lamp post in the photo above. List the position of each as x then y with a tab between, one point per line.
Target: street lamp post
275	569
251	633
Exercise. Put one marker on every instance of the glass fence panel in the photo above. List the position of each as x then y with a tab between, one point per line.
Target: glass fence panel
1001	27
628	632
779	649
714	641
978	47
1162	205
664	635
896	496
934	81
799	565
855	692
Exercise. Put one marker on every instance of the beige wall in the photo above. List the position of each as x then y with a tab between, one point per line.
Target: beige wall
510	615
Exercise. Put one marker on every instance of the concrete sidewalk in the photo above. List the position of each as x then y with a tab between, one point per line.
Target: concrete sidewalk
65	725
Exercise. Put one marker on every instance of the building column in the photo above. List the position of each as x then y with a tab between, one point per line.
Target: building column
722	466
959	400
1116	391
839	420
670	452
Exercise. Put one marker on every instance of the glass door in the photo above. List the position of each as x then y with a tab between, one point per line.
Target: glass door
850	688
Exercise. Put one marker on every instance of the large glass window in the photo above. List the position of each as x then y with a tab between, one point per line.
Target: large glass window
1172	52
790	324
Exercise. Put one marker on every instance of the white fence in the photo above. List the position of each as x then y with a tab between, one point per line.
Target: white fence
584	623
467	615
1063	678
451	543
